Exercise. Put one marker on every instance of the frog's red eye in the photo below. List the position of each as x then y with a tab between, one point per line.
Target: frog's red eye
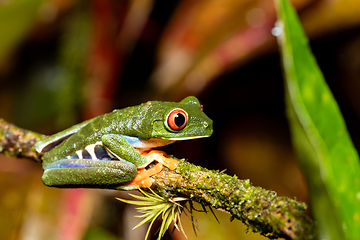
177	119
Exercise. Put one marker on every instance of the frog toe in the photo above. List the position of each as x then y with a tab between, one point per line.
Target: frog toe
160	156
143	178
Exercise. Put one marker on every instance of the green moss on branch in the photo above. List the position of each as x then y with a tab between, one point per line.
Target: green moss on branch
261	210
18	142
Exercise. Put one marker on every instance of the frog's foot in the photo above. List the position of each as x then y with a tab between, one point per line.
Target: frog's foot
142	178
144	174
159	156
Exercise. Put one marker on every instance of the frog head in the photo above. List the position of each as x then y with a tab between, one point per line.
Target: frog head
181	121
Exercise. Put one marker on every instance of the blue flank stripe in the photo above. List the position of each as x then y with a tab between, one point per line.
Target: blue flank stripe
134	141
67	165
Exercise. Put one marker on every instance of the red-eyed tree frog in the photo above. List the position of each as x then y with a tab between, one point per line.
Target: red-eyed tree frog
113	150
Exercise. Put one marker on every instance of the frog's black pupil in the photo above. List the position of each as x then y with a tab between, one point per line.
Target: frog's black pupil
179	119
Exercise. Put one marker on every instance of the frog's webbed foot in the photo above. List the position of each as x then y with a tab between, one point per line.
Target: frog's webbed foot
160	156
143	176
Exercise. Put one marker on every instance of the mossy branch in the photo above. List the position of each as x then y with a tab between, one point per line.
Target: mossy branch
261	210
18	142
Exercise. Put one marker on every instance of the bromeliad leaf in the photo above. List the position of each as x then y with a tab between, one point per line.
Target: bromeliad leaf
326	152
155	206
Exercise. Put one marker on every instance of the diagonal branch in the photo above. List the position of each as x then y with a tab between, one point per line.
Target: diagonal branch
261	210
18	142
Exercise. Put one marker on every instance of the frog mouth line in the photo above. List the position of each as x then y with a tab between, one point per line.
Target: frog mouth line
188	138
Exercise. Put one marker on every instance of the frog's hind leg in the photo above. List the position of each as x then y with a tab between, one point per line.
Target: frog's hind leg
75	173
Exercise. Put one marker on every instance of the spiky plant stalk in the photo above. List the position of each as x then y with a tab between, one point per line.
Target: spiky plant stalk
155	206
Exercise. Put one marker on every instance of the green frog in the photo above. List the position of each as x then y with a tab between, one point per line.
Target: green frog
115	150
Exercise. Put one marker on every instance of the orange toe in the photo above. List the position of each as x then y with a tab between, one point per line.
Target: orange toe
159	156
143	175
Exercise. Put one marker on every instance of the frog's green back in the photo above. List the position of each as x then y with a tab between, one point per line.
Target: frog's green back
125	121
52	141
143	121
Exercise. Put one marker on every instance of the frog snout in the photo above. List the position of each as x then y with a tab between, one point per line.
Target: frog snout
208	125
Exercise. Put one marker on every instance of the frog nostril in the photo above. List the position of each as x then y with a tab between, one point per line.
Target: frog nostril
205	125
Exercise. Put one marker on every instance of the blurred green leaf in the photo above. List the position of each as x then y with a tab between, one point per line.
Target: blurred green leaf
16	20
326	152
52	90
97	233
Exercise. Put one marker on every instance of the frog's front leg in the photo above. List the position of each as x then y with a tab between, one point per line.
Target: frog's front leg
121	148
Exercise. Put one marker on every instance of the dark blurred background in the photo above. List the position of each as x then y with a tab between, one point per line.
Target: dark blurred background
64	61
